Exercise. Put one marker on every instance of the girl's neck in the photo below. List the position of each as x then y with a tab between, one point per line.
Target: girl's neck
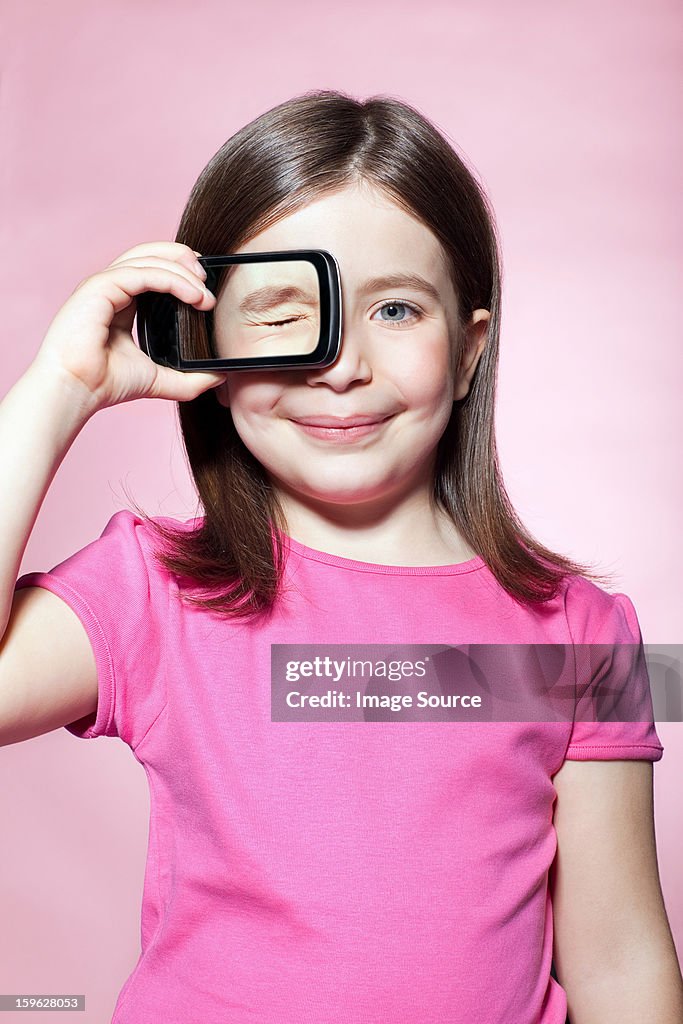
412	534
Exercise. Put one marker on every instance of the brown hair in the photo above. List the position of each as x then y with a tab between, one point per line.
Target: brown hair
313	144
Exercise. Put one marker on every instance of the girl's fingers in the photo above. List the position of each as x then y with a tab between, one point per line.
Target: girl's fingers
192	274
171	250
126	281
183	387
174	251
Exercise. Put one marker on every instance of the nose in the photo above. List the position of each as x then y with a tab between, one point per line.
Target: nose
351	365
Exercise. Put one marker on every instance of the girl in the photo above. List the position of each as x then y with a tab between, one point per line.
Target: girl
366	871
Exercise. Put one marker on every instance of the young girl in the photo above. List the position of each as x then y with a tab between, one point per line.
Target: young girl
337	872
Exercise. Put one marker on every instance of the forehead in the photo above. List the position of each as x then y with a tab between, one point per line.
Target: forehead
367	232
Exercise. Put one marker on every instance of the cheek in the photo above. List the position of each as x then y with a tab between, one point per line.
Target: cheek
249	398
426	366
252	391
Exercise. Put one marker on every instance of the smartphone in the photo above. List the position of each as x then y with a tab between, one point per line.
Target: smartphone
274	310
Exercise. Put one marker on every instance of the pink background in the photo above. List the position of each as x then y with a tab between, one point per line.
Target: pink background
571	117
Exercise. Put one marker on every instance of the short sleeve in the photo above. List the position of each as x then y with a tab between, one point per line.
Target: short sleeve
614	714
121	596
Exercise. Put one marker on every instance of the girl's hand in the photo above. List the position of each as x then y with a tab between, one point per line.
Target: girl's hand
89	344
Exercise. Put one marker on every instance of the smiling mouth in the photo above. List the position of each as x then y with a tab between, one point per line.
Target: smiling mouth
331	428
340	422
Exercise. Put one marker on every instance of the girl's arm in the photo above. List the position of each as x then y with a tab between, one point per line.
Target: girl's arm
614	952
47	669
88	361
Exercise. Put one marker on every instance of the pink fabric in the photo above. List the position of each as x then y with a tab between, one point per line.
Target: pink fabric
335	872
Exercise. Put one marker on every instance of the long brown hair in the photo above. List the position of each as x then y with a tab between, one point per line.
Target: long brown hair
313	144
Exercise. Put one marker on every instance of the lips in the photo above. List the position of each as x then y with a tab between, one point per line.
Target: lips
340	422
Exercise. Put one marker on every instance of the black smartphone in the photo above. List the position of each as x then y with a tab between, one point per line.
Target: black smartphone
274	310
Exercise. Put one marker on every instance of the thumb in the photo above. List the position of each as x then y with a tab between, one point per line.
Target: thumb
183	387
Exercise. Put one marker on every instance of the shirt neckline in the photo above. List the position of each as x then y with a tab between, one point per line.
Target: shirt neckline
352	564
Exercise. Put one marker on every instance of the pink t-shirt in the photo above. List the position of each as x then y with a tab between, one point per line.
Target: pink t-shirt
366	872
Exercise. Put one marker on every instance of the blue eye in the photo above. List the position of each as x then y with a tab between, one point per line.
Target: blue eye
395	310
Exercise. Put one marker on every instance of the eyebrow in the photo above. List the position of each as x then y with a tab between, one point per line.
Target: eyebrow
378	284
263	299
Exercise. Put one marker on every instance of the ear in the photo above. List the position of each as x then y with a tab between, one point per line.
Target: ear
476	335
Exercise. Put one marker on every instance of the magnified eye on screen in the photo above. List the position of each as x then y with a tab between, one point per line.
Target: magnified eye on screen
273	310
266	308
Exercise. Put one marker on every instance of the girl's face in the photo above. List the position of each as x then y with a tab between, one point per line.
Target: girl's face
394	364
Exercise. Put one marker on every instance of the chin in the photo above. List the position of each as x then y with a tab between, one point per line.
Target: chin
353	494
